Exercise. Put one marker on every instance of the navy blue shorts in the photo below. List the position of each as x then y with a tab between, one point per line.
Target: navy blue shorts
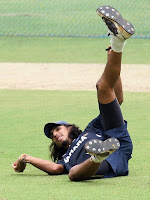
111	115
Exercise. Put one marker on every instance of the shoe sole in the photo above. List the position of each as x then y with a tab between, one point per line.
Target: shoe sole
102	148
111	14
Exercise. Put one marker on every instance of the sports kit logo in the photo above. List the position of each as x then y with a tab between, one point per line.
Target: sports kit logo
83	138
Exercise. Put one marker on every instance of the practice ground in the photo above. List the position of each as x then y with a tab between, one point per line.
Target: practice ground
50	76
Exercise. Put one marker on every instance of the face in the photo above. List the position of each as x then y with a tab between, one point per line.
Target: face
60	136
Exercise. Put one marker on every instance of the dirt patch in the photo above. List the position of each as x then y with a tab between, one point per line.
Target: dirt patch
52	76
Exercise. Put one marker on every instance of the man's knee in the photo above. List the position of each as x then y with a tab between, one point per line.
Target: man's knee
72	174
102	87
105	93
75	175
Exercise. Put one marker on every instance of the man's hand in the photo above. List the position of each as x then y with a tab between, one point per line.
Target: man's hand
44	165
20	164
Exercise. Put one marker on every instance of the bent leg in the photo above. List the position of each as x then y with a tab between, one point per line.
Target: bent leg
109	85
83	171
87	169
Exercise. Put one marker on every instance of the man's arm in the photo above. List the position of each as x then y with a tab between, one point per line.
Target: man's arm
44	165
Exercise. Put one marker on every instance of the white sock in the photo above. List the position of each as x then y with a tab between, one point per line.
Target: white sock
97	159
117	44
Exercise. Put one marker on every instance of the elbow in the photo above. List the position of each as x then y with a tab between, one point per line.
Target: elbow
56	170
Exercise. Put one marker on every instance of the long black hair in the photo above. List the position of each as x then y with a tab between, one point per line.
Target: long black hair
56	152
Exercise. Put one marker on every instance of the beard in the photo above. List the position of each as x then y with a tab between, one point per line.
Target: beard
65	144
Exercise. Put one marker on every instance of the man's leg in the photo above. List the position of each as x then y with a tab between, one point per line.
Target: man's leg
106	93
118	86
118	90
109	86
105	85
83	171
87	169
110	83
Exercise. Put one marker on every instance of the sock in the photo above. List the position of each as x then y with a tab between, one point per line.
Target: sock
117	44
97	159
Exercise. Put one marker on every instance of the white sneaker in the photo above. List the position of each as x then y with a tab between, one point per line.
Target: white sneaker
118	26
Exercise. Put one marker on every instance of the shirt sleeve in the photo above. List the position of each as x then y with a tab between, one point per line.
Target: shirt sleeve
61	162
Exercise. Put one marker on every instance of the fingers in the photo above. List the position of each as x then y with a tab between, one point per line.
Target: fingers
22	156
108	51
14	167
20	164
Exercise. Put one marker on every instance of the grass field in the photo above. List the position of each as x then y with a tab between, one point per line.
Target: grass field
68	50
23	115
67	18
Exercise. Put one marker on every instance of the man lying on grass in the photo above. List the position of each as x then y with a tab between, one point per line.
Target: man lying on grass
104	147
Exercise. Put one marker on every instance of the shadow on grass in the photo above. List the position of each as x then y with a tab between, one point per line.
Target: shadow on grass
28	175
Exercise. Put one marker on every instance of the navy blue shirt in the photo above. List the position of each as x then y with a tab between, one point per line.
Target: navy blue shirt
118	161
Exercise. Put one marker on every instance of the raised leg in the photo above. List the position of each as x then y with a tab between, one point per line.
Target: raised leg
118	86
105	85
108	87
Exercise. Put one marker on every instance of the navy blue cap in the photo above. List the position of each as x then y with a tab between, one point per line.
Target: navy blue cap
49	126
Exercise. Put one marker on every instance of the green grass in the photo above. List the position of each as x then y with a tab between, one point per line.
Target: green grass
23	115
68	50
57	18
